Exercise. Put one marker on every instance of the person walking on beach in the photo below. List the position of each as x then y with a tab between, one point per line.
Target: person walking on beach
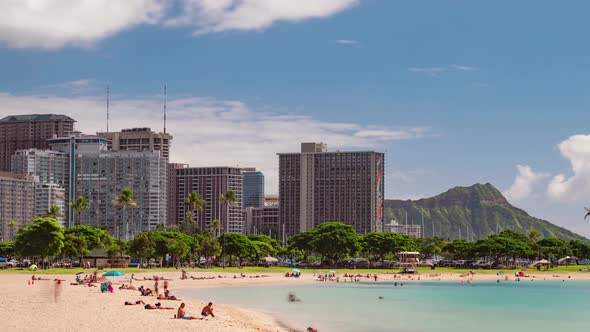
208	310
156	287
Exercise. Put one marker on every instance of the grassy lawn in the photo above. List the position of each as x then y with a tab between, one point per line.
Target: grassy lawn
260	270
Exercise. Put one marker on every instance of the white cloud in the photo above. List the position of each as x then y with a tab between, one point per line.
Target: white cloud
523	184
463	68
347	42
386	134
54	24
222	15
208	131
57	23
436	71
576	149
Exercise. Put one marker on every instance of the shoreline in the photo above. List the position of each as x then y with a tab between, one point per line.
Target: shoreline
45	306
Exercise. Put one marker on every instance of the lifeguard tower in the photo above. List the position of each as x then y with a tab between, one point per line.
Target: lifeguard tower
408	261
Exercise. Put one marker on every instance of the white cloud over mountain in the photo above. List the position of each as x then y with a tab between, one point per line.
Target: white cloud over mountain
524	182
576	187
54	24
207	131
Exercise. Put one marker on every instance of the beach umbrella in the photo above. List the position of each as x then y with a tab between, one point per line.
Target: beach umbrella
295	270
332	272
113	273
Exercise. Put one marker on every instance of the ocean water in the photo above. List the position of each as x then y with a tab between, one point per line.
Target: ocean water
418	307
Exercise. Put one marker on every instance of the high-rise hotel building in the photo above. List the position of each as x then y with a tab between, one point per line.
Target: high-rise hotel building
30	131
317	186
99	175
139	139
17	203
211	183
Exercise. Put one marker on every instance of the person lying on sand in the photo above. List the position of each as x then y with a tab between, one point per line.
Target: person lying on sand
182	314
156	306
145	292
208	310
130	287
167	296
134	303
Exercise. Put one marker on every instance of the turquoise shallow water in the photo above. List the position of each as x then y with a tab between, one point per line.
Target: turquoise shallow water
419	307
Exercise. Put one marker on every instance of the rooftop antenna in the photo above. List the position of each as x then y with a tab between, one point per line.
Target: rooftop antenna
108	102
164	108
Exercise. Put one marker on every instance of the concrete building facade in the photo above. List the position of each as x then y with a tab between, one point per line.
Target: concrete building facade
18	132
101	177
49	194
263	220
72	146
17	202
48	166
172	192
211	183
253	188
317	186
414	231
139	139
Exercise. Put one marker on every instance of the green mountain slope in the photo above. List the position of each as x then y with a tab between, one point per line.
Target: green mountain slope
470	213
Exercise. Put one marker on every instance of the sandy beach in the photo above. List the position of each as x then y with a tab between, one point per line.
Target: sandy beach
38	307
42	307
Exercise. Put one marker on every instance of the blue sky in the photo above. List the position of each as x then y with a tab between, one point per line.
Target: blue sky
456	92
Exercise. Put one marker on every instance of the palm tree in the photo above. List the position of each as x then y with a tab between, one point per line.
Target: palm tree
79	205
194	202
215	225
12	226
228	199
125	200
53	212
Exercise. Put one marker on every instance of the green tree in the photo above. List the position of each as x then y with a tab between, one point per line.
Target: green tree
54	212
261	249
580	249
11	226
82	239
239	245
429	247
75	246
142	246
553	248
301	242
125	200
209	247
43	238
178	248
194	203
228	199
79	205
276	246
335	240
215	227
460	249
378	245
7	249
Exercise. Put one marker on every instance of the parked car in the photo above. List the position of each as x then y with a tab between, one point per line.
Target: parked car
302	264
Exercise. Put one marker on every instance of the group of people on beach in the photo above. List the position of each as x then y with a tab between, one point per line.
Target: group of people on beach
144	291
